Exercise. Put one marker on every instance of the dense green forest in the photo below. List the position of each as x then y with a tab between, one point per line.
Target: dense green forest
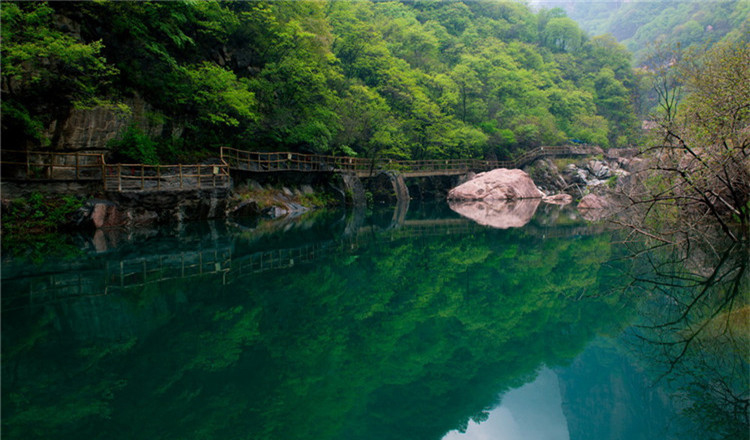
644	25
422	79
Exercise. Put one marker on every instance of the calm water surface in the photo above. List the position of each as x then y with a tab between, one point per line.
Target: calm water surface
423	325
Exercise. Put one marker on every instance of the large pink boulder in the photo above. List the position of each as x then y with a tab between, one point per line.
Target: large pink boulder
499	184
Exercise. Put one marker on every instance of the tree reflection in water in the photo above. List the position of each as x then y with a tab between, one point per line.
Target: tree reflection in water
695	327
394	335
383	335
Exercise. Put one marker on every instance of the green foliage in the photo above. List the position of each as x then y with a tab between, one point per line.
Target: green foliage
134	146
45	71
39	211
318	199
219	98
640	25
612	182
562	34
31	226
401	80
395	335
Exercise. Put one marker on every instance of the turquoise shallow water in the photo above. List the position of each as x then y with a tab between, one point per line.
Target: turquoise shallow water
417	325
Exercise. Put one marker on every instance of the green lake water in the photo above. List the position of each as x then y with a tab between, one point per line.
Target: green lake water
387	325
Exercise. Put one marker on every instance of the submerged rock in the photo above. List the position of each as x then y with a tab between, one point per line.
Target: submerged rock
98	214
594	201
499	184
105	214
558	199
497	213
246	208
595	207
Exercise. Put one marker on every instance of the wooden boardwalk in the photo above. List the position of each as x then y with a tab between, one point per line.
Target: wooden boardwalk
53	166
46	165
257	162
139	177
57	167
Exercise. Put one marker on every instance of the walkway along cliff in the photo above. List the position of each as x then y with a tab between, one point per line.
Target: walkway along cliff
194	191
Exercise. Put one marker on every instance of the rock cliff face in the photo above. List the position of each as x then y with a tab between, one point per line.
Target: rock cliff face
387	187
94	128
499	184
139	209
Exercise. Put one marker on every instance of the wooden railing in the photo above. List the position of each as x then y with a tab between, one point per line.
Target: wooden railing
561	150
289	161
139	177
39	165
46	165
46	289
43	165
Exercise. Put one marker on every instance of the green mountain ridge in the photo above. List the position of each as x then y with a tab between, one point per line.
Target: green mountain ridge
643	26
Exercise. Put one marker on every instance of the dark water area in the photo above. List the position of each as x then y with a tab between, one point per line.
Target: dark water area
417	324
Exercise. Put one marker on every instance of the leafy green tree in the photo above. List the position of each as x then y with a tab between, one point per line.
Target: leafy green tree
468	87
367	124
562	34
217	99
45	72
297	88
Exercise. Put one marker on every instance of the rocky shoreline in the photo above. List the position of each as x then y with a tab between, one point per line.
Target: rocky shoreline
591	181
505	198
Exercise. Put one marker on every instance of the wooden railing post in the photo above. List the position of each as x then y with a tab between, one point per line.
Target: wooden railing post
77	165
143	177
180	176
158	177
119	177
104	171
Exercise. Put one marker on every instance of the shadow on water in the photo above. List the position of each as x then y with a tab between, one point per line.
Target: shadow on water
390	326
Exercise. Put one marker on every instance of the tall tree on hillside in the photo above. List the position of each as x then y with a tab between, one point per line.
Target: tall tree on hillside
701	172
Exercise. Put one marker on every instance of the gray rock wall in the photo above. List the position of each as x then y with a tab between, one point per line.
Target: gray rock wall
94	128
387	187
135	209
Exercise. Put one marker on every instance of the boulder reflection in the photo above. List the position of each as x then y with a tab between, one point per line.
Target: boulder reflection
499	214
